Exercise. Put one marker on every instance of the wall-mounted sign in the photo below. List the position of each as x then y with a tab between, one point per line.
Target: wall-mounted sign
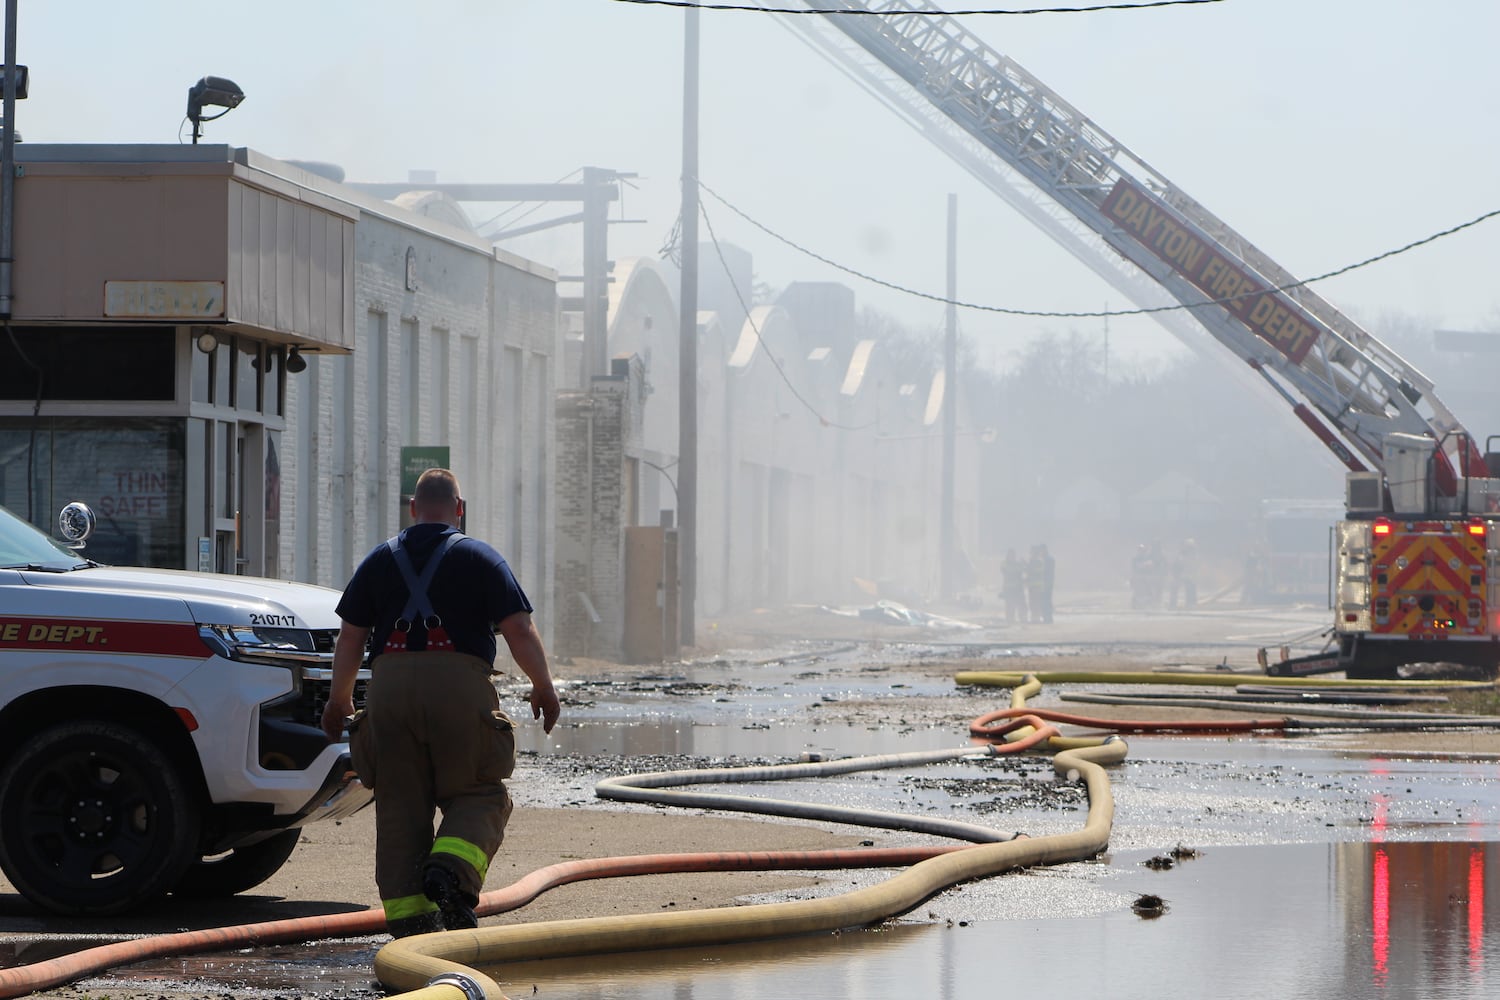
417	459
164	299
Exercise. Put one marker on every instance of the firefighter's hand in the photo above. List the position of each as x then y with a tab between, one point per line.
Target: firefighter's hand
544	705
334	714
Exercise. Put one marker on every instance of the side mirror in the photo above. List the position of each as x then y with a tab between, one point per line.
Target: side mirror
76	522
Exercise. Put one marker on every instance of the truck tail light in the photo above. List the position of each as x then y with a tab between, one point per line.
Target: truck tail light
1381	527
1477	528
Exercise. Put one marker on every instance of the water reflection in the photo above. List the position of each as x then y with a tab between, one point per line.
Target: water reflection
1421	913
1333	922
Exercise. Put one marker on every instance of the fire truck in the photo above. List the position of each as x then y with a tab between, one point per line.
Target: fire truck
1416	553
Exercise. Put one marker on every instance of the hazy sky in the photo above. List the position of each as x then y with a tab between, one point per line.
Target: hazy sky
1326	131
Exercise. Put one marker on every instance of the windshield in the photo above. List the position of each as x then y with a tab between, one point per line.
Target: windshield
22	545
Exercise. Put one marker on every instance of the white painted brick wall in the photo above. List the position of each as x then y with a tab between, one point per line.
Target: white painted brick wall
468	293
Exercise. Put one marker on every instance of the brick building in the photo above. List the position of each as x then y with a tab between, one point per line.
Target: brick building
225	355
230	357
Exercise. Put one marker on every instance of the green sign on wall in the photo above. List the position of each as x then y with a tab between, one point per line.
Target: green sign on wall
417	459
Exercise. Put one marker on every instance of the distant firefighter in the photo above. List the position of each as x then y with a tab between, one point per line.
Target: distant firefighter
1040	571
1185	574
1013	586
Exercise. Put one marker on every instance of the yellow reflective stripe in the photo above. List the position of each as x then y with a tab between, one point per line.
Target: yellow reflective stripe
464	850
407	906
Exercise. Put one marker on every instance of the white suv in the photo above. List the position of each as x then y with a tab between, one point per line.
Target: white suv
158	728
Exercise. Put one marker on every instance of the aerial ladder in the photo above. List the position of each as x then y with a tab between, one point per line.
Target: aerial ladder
1421	544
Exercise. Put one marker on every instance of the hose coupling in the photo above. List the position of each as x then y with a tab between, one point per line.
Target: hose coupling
470	986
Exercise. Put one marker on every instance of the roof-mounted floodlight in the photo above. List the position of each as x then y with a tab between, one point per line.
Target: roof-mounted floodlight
215	92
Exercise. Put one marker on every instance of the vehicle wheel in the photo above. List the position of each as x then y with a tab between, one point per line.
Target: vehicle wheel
95	819
239	869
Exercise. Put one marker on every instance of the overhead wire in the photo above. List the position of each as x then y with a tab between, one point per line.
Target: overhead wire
1101	314
760	340
535	206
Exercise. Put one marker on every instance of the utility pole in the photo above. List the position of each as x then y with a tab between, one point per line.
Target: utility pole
8	164
598	189
950	407
687	339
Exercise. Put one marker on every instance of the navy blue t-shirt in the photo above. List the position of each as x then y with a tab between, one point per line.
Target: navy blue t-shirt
473	591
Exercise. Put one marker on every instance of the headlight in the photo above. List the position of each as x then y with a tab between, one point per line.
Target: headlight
281	647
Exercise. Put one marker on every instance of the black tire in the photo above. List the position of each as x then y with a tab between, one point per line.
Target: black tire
95	819
238	870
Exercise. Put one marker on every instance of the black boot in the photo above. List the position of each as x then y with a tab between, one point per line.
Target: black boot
456	906
422	923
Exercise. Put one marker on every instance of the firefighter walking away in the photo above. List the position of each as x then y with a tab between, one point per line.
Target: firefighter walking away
431	737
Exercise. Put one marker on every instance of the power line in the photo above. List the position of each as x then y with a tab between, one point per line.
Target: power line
959	12
745	307
519	205
1059	314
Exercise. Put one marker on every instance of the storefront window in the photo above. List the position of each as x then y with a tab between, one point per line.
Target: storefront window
25	458
130	471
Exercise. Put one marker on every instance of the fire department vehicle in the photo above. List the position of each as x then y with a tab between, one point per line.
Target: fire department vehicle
1416	578
158	728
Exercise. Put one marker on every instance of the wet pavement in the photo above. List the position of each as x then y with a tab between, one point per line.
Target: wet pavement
1342	921
1327	921
1303	868
1309	870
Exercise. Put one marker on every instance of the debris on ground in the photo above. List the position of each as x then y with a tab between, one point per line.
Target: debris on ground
899	614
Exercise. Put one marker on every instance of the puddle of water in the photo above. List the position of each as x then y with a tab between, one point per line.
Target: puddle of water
1263	791
266	971
1333	922
711	710
755	740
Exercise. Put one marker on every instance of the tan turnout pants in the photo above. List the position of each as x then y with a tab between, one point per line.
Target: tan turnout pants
432	737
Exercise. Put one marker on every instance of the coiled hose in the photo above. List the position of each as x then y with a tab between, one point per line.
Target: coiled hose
434	966
438	966
411	963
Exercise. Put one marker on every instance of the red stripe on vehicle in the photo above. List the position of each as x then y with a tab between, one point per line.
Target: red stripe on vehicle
1425	576
97	635
1418	551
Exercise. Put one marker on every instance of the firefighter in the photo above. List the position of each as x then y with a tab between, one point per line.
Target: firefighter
431	735
1013	586
1040	568
1185	574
